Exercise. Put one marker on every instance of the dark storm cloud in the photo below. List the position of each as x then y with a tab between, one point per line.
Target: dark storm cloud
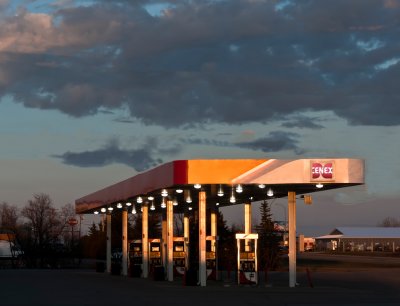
140	159
233	62
274	142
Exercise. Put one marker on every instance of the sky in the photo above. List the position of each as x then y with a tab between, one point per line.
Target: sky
93	92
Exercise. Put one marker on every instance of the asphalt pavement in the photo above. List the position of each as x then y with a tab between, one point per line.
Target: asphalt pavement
378	286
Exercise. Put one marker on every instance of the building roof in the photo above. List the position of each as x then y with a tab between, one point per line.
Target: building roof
363	232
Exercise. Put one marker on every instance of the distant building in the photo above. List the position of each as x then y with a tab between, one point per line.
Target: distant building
354	239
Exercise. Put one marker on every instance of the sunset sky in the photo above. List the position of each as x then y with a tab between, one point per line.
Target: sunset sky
92	92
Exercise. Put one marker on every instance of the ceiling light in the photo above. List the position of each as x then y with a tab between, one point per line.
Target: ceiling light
190	208
239	188
110	208
152	207
134	210
217	204
150	198
261	186
164	192
197	186
270	193
96	212
139	200
128	204
319	185
163	204
179	190
232	199
188	198
175	202
119	205
220	192
103	210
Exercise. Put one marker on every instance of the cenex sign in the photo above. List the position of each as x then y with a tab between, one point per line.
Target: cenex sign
322	171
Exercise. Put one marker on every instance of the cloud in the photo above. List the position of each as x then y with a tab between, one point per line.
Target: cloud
303	122
198	62
140	159
273	142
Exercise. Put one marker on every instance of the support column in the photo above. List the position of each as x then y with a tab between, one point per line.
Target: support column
213	229
145	240
125	242
170	241
108	254
186	237
292	238
214	234
247	224
202	239
164	235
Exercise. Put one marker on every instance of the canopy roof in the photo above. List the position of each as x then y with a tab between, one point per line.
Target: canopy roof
281	176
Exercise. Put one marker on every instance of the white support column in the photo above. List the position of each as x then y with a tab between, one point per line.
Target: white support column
214	234
292	238
164	235
170	241
186	236
247	224
125	242
145	240
202	239
108	254
213	229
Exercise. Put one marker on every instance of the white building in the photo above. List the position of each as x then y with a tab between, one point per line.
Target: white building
353	239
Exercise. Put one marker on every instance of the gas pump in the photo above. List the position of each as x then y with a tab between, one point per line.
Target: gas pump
135	258
211	258
179	256
247	258
155	253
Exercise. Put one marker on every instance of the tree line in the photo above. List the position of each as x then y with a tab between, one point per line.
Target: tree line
46	238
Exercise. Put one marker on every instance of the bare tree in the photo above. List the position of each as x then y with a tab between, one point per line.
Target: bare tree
44	224
8	217
390	222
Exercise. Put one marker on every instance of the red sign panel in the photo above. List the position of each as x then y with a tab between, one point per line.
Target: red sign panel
322	171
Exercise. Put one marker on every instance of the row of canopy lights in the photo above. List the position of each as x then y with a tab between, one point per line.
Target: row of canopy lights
188	199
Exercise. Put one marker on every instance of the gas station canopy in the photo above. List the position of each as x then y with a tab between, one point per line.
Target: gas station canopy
226	182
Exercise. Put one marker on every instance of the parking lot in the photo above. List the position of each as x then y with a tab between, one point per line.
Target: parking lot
377	286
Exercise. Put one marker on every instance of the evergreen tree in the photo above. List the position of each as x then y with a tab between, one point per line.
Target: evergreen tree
268	239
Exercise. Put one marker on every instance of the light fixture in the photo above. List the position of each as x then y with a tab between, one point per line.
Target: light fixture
163	204
239	188
119	205
179	190
164	192
319	185
270	193
197	186
152	207
128	204
134	210
96	212
103	210
220	192
190	208
188	198
217	204
110	208
232	199
261	186
139	200
175	202
150	198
